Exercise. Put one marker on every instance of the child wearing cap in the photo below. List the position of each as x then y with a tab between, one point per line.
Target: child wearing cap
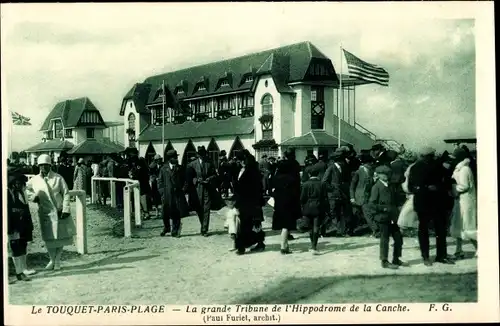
383	208
314	202
232	219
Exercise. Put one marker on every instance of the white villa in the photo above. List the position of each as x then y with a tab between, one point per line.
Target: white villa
264	102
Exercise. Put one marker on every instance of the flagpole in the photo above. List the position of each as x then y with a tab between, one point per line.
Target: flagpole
340	98
163	118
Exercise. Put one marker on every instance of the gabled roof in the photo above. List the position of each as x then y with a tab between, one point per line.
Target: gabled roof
94	146
51	145
314	138
70	112
209	128
286	64
139	94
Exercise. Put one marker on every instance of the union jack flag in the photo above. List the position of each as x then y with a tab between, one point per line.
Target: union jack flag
20	120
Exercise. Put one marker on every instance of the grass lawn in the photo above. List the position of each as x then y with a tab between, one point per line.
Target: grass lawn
149	269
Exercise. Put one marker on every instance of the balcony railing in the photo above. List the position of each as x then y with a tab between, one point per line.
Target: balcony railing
365	131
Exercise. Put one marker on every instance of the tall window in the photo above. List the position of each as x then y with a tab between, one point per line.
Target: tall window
267	104
317	107
213	152
246	106
266	119
68	133
131	121
58	129
90	133
157	116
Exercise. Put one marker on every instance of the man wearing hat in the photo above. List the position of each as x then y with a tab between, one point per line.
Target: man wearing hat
173	201
200	175
49	190
225	174
338	194
426	182
379	153
359	190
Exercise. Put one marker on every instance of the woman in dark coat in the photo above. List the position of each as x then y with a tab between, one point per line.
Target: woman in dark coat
287	210
20	224
249	199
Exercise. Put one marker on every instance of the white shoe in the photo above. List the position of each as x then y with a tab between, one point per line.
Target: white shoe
29	272
50	266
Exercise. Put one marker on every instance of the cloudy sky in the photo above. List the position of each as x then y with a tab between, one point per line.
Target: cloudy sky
59	51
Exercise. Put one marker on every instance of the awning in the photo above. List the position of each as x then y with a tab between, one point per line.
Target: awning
51	145
314	138
96	147
461	141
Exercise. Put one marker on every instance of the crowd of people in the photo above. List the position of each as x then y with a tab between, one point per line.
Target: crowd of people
376	192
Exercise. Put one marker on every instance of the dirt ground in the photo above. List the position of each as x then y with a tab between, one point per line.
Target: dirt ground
149	269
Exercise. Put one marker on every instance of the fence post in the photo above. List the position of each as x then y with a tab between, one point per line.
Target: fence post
93	188
81	223
126	212
137	206
112	188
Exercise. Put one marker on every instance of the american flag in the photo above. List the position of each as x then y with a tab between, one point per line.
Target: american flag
366	71
20	120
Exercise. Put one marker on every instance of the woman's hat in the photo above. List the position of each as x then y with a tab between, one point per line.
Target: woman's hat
171	153
44	159
202	151
459	154
14	174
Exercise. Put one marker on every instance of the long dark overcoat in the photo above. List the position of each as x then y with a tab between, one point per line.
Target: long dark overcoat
170	187
286	184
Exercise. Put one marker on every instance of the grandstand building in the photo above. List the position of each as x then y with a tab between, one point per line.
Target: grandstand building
264	102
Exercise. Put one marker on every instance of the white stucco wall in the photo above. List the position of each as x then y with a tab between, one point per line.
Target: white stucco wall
329	110
302	109
260	91
288	116
130	108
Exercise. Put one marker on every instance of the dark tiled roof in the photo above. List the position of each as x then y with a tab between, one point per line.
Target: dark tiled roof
139	93
313	138
210	128
70	112
286	64
51	145
94	146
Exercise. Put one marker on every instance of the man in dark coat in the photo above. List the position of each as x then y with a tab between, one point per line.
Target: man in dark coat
360	187
426	182
170	187
398	168
200	177
338	196
309	164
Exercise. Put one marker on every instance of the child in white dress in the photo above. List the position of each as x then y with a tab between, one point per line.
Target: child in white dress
232	218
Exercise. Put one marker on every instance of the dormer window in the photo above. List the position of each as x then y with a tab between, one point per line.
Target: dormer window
179	90
248	79
224	83
201	87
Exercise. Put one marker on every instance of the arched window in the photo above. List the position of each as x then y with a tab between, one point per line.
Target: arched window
236	147
131	130
267	104
189	152
213	152
131	121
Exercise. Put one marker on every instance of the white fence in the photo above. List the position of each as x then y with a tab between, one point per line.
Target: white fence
131	194
80	218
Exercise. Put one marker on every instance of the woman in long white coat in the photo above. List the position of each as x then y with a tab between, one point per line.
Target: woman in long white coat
464	215
49	190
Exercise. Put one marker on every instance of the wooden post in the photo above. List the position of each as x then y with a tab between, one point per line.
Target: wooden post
137	206
94	195
112	188
81	223
126	212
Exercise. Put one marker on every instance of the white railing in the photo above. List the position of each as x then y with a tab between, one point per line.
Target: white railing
131	186
80	218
